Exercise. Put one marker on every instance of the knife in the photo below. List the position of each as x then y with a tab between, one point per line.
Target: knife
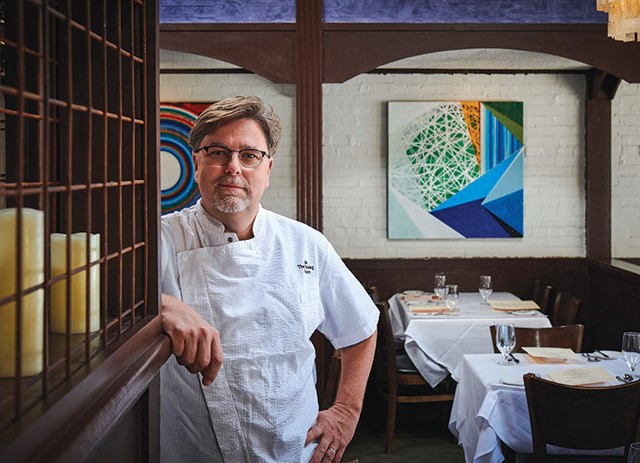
512	357
601	353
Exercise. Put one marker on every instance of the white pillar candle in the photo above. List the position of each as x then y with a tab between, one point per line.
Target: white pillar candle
78	283
32	321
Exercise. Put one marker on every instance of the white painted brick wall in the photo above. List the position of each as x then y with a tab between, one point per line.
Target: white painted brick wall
355	163
355	159
625	171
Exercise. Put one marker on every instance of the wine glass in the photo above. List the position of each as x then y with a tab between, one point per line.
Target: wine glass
440	285
634	453
452	298
485	288
505	341
631	349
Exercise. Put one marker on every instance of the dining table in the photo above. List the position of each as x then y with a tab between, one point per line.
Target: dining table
490	404
436	342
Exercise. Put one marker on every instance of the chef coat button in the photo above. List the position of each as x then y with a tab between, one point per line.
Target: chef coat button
230	240
222	252
184	258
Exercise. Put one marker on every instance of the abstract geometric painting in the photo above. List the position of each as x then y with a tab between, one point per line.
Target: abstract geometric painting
177	184
455	170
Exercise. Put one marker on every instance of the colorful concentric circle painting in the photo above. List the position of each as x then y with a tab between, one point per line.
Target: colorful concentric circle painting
177	184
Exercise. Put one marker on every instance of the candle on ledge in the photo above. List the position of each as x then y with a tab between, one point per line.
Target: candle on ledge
32	321
79	288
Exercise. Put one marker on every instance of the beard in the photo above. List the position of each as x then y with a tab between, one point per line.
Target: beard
230	204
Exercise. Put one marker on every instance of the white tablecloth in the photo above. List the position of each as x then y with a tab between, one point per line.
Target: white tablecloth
436	343
485	411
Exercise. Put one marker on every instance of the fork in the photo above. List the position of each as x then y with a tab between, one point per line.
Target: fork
591	358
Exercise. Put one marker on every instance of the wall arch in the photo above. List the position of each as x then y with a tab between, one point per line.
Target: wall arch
355	50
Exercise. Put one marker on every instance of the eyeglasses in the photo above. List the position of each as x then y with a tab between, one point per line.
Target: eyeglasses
221	156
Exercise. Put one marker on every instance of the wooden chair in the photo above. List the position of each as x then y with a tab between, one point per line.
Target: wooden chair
544	295
398	380
374	293
565	309
569	336
585	418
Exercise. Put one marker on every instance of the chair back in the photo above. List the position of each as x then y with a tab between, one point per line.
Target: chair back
585	418
565	309
544	295
569	336
386	365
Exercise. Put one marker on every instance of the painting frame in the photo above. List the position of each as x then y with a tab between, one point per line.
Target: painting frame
455	169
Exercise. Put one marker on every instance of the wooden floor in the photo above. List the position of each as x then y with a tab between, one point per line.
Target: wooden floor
421	436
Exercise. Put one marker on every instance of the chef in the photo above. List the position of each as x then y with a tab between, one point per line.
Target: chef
243	291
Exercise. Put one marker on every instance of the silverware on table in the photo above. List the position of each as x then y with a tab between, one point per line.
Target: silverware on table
512	357
591	357
601	353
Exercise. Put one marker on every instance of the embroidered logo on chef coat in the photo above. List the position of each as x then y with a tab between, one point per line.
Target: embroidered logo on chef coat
306	268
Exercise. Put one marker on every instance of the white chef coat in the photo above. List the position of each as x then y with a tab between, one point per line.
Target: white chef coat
265	296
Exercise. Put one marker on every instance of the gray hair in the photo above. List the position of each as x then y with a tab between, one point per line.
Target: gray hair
239	107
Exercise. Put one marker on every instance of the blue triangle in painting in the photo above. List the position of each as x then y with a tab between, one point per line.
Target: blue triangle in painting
478	189
511	180
472	220
505	201
509	209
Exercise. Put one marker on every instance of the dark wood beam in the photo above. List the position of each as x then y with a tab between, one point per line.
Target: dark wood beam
309	140
600	89
352	49
265	49
309	111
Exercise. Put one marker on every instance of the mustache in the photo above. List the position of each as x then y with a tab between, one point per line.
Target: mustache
235	181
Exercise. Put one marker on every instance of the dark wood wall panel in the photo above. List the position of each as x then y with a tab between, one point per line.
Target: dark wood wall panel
615	303
509	274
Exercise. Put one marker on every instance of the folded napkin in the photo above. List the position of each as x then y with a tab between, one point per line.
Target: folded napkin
429	309
419	297
513	305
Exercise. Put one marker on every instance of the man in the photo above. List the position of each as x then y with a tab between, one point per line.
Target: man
249	286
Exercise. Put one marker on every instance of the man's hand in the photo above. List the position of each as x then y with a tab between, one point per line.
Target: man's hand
336	426
333	429
194	342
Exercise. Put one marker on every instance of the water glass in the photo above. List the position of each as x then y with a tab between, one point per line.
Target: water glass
631	349
505	341
485	288
452	298
440	285
634	453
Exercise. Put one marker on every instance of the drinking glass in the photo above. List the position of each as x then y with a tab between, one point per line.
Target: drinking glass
440	285
631	349
505	341
634	453
485	288
452	298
